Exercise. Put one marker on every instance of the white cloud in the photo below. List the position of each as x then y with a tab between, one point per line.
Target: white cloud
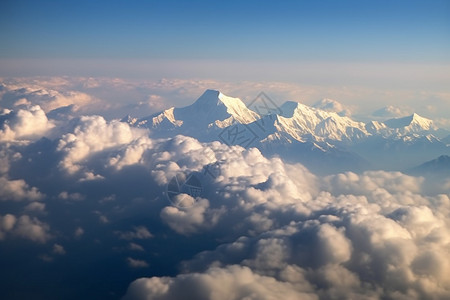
272	229
32	228
28	123
7	223
135	247
18	190
132	153
136	263
391	111
58	249
35	207
78	232
233	282
64	195
332	105
190	219
90	135
24	227
33	91
139	232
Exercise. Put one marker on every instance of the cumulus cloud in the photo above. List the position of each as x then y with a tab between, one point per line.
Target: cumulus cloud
139	232
64	195
258	228
7	223
18	190
28	123
91	135
24	227
136	263
58	249
332	105
391	111
79	232
190	219
135	247
35	207
361	230
20	93
233	282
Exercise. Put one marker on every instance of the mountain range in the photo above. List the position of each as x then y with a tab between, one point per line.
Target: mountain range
439	167
325	141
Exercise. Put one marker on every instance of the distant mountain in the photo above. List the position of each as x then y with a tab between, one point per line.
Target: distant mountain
321	139
437	167
212	111
410	124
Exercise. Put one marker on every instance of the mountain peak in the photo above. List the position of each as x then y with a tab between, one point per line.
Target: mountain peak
417	117
212	98
413	121
212	107
288	108
207	98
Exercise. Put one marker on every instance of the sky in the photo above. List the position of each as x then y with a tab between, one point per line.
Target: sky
365	54
237	31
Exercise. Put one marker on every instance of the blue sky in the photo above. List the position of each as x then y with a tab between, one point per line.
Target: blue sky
368	31
377	44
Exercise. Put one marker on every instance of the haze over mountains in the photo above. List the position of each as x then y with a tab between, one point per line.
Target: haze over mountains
182	203
323	140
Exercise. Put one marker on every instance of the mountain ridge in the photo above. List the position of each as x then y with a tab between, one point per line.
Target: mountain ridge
307	132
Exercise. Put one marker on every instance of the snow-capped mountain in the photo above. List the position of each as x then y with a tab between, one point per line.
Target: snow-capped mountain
212	111
410	124
322	140
212	107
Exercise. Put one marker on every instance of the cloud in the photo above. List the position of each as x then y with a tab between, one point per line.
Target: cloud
136	263
35	207
233	282
258	228
333	106
20	92
391	111
7	222
71	196
79	232
24	227
370	181
135	247
139	232
90	135
58	249
18	190
28	123
191	219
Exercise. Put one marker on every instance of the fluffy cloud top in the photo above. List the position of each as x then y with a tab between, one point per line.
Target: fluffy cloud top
24	124
24	227
17	190
259	228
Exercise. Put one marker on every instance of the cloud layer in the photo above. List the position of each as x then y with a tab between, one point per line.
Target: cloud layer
89	193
